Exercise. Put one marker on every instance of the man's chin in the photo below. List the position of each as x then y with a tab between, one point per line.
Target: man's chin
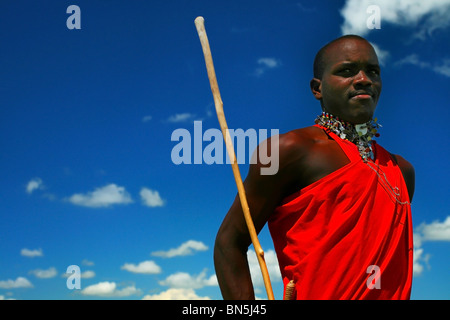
359	116
355	112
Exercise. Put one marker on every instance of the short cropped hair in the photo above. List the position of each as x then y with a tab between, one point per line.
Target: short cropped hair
319	60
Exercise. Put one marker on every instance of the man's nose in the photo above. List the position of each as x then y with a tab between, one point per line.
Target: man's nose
362	79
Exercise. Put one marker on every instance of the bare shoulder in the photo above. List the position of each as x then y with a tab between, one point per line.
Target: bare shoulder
307	134
290	146
284	152
299	140
403	163
293	142
408	172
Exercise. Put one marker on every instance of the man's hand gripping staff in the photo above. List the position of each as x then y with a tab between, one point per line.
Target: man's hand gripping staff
200	25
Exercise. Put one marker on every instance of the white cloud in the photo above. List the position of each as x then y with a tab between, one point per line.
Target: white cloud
442	67
106	196
422	17
109	289
419	260
184	249
269	62
31	253
20	282
181	117
87	262
186	281
434	231
145	267
414	60
266	64
151	198
44	274
34	184
428	15
88	274
382	55
176	294
146	118
272	266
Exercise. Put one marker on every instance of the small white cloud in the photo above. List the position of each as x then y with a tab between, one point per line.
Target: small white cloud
31	253
442	67
88	274
186	248
20	282
176	294
272	266
106	196
109	289
151	198
87	262
34	184
44	274
181	117
266	64
186	281
269	62
146	118
414	60
145	267
100	289
434	231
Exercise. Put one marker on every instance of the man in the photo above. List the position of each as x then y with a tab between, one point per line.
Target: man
339	206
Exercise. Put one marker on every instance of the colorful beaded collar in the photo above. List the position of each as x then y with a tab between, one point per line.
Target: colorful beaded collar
359	134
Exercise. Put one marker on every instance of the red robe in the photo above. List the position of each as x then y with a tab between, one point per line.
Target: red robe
348	235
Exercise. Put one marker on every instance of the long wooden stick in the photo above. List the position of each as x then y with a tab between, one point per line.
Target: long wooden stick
200	25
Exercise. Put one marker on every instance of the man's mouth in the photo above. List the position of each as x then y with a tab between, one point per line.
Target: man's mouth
361	95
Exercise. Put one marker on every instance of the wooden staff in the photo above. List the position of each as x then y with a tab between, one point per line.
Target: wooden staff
200	25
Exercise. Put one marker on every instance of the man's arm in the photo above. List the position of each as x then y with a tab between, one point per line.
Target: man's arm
264	194
408	173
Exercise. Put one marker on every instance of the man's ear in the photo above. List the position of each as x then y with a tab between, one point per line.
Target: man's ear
316	88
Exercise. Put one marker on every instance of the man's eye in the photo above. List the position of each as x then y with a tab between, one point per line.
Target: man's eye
346	72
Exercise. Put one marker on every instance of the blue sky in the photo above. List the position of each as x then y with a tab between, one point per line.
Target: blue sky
87	115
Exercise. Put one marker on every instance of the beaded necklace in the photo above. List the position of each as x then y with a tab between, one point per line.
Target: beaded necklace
360	134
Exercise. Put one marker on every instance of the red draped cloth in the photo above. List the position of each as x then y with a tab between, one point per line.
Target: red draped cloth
348	235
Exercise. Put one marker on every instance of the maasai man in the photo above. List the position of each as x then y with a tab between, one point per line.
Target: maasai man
338	208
